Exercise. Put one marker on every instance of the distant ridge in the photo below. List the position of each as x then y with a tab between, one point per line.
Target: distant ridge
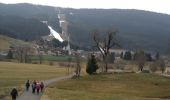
137	29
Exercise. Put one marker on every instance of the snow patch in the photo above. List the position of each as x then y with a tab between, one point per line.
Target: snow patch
55	34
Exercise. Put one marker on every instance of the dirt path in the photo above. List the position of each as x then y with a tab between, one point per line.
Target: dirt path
27	95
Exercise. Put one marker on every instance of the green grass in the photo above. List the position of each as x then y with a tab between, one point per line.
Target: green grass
61	58
112	87
15	74
51	58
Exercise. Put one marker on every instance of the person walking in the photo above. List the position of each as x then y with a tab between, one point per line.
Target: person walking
33	87
27	85
34	82
14	93
42	86
38	87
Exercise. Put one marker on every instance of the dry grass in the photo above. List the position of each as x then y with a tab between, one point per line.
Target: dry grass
15	74
5	42
129	86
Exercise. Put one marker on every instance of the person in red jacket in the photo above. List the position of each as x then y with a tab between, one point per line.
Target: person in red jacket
38	87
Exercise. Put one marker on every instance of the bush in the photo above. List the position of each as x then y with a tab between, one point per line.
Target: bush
34	62
153	67
51	63
145	71
162	65
128	55
120	65
91	65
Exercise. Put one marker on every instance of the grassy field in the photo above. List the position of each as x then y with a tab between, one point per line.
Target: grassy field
5	42
15	74
52	58
124	86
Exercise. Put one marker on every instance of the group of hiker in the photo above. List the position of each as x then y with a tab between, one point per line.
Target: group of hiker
36	87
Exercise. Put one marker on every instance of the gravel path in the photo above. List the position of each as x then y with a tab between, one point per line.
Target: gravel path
27	95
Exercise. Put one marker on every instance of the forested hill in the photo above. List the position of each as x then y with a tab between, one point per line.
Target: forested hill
41	13
22	28
28	11
23	21
137	28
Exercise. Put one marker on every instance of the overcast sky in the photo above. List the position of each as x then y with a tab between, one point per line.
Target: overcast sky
162	6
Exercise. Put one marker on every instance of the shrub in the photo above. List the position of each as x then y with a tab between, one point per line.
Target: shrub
145	71
153	67
162	66
51	63
91	65
128	55
34	62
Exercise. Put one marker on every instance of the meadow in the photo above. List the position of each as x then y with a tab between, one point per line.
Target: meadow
16	74
61	58
120	86
6	42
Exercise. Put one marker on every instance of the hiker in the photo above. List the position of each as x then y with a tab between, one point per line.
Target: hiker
27	85
42	86
34	82
33	86
14	93
38	87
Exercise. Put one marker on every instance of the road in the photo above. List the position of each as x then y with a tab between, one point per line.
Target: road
28	95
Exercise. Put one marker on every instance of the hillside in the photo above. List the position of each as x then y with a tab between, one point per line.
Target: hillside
137	29
29	11
22	28
6	42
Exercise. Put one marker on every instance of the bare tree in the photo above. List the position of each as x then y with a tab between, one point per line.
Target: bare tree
69	65
27	52
153	66
104	44
18	53
78	66
140	59
40	56
22	53
162	66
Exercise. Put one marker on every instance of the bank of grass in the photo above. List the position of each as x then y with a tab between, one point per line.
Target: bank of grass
59	58
6	42
112	87
15	75
51	58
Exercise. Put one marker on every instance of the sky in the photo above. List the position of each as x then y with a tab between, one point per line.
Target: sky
160	6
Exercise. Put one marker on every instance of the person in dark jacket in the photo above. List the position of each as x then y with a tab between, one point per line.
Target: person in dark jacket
14	93
42	86
27	85
33	87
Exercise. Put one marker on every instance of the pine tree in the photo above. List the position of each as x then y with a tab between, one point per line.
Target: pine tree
128	55
121	55
91	65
